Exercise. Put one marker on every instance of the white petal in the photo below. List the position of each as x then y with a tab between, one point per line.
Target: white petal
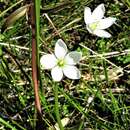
102	33
98	12
48	61
71	72
57	73
73	58
105	23
87	15
60	49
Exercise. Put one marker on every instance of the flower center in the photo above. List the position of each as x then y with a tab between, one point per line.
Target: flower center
93	26
61	62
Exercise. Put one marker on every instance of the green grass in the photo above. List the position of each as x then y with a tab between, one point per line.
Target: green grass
102	79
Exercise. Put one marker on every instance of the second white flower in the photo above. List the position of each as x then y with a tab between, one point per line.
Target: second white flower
96	23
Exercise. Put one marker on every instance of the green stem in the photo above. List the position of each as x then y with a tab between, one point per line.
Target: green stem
35	21
104	64
35	59
57	107
37	14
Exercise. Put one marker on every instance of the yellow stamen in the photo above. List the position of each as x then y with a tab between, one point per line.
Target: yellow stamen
61	62
93	26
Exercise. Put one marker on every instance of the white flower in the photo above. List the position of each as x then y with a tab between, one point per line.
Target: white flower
96	23
61	62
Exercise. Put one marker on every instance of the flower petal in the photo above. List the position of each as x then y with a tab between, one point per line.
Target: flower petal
57	73
102	33
98	12
105	23
73	58
71	72
60	49
87	15
48	61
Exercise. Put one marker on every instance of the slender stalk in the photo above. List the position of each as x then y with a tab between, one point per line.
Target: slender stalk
104	64
57	106
37	24
34	61
35	21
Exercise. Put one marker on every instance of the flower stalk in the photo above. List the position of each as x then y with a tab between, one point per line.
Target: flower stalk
57	113
35	59
35	21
